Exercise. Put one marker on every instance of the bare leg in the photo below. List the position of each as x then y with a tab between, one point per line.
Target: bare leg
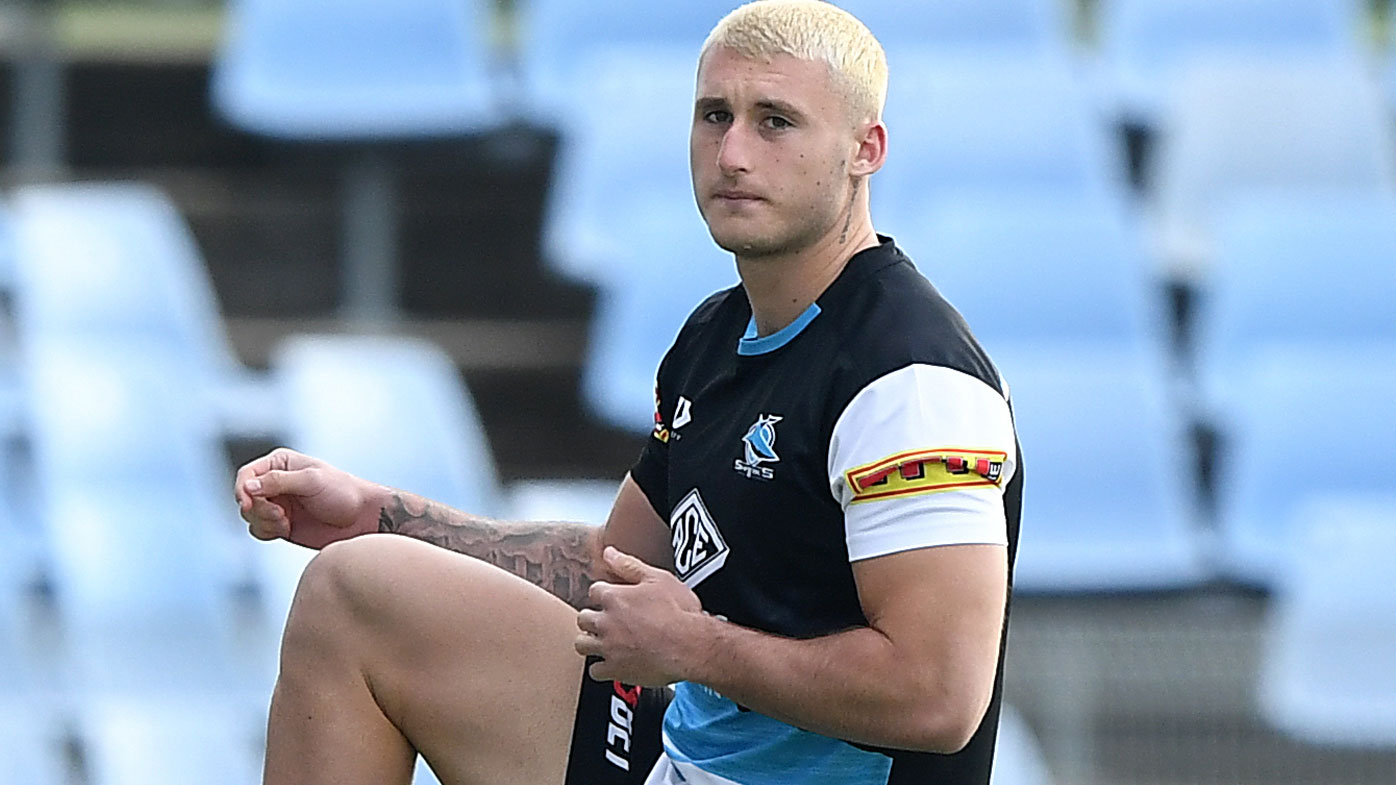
394	645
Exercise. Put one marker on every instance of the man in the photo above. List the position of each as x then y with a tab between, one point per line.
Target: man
815	544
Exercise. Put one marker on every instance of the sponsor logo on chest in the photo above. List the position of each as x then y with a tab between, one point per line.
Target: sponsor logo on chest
699	549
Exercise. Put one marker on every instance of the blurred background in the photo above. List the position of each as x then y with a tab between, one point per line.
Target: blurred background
443	244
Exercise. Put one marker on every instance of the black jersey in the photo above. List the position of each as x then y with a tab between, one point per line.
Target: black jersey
872	424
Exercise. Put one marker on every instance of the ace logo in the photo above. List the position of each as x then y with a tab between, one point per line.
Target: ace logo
699	550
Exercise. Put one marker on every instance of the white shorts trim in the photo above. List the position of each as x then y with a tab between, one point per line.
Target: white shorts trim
667	771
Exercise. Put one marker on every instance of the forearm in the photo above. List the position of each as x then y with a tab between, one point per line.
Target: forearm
562	558
852	685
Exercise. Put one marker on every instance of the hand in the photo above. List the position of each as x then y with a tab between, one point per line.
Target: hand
642	625
287	495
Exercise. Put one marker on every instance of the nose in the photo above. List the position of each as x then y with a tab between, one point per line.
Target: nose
733	152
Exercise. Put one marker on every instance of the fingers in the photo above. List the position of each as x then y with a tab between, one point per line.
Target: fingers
588	645
279	459
624	566
266	520
277	482
602	671
589	621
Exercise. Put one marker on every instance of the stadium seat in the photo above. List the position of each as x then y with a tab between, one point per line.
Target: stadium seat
140	740
354	70
673	265
1147	44
625	142
1237	127
1330	639
1111	505
991	27
1031	267
414	427
364	76
1307	420
117	259
1295	269
30	745
415	424
143	566
561	39
969	126
107	416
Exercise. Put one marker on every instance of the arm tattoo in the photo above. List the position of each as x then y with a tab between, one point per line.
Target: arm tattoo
559	557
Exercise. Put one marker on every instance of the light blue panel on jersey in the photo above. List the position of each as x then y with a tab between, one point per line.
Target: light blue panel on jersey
703	728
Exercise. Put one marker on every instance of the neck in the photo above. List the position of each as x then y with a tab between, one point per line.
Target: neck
781	286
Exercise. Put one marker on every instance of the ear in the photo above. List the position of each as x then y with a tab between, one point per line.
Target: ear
871	152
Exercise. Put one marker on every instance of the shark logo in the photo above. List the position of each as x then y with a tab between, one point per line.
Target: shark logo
758	447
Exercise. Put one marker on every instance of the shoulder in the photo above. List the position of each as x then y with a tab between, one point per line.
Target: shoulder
893	318
718	315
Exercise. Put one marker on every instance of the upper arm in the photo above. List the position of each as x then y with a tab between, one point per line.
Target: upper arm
918	461
942	609
635	528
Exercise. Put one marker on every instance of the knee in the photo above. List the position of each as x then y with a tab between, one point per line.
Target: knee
338	586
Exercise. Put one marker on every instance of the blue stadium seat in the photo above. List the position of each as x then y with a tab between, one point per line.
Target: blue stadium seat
30	745
673	265
145	554
981	26
107	415
1147	44
368	75
1031	267
355	69
391	410
415	424
144	740
1307	420
560	38
976	125
1326	675
1295	269
117	259
1110	500
1237	127
625	142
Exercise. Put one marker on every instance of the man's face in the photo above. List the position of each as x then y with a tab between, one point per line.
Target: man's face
770	152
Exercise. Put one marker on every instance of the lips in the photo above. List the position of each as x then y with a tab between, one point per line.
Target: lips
734	195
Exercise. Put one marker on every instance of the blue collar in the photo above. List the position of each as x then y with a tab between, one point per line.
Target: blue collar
750	344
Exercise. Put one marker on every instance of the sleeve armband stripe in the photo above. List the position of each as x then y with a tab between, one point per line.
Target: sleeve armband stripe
925	471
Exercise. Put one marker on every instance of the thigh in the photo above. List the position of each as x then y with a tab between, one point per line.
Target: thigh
474	665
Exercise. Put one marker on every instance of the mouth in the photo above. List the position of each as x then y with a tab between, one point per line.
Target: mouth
733	196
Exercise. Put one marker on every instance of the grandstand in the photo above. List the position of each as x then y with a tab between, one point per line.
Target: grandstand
1173	223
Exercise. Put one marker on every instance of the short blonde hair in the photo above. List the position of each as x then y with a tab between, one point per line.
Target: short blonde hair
816	31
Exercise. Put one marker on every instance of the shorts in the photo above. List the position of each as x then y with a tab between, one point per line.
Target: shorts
616	735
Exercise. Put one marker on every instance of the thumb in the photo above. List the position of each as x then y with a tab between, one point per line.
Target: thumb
624	566
299	482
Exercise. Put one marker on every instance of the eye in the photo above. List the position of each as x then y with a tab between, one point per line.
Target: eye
778	123
720	116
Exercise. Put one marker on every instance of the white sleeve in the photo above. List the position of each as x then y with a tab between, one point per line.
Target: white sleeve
919	458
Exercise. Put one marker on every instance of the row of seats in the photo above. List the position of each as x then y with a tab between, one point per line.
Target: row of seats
969	128
359	57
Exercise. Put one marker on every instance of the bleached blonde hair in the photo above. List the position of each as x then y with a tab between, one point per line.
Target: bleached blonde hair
816	31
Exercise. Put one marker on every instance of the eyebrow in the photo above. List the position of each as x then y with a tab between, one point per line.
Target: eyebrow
779	106
710	103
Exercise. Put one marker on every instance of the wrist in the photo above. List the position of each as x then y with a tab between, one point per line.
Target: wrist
375	500
703	638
